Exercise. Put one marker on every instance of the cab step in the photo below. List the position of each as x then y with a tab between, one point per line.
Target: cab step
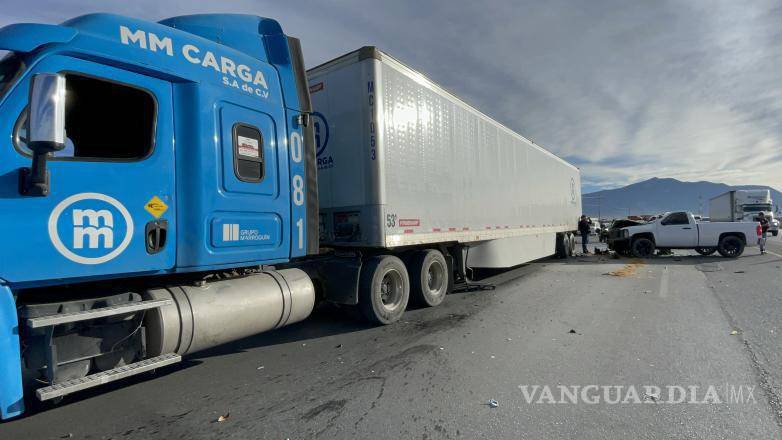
104	377
103	312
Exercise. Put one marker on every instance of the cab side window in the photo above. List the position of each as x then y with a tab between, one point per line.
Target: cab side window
104	120
677	218
248	153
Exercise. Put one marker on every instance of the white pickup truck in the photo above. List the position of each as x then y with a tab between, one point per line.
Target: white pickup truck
680	230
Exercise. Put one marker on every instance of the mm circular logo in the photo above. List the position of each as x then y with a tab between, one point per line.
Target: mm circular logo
90	228
321	129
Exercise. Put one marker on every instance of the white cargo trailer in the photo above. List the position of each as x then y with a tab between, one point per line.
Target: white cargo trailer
403	162
743	205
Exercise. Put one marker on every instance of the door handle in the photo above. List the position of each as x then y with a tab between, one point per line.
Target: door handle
687	227
155	234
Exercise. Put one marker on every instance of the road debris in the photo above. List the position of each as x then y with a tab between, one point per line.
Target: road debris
573	332
734	332
338	346
260	368
223	417
627	271
739	271
493	403
651	396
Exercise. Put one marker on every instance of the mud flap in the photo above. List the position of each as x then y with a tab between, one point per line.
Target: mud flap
11	393
335	277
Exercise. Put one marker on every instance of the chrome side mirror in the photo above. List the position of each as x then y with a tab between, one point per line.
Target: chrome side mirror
45	130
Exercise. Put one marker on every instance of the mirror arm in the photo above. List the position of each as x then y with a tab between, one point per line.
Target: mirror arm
34	181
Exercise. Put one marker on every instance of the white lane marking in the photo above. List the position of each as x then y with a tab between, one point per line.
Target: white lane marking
773	253
664	283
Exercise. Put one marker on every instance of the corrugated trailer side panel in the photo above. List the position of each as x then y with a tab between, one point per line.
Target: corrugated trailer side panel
441	171
453	174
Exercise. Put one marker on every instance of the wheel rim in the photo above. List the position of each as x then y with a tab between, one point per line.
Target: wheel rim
644	248
391	288
731	248
435	277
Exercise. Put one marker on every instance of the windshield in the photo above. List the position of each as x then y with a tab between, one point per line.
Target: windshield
757	208
10	67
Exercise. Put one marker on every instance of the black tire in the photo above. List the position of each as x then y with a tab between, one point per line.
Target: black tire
642	248
774	233
560	249
705	251
730	246
428	278
384	289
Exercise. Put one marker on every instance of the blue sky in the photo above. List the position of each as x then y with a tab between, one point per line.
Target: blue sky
625	90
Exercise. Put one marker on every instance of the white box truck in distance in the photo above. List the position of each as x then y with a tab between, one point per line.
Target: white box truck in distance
422	187
744	205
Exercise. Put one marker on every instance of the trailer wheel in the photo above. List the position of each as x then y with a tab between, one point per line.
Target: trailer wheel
560	248
428	278
730	246
571	244
705	251
384	289
642	247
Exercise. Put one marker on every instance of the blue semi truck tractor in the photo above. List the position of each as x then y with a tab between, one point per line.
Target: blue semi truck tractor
150	173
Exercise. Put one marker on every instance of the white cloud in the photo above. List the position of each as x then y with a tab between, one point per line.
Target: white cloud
626	90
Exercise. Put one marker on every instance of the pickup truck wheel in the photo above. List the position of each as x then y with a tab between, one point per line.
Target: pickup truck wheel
642	248
774	233
428	278
384	289
731	247
705	251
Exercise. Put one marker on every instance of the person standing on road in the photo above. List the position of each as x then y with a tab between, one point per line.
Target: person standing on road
763	231
583	229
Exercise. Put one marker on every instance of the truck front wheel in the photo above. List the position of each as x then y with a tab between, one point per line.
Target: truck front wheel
774	233
384	289
730	246
642	248
428	278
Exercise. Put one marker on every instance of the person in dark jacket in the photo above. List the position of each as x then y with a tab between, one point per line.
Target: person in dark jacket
763	232
583	229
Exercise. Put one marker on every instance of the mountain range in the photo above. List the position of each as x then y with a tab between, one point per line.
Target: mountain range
658	195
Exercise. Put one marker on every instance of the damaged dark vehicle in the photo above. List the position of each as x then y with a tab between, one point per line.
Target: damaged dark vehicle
612	235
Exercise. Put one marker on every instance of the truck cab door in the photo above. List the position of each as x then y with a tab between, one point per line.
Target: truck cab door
677	230
110	209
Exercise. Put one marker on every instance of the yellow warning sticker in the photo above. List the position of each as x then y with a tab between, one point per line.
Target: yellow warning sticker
156	207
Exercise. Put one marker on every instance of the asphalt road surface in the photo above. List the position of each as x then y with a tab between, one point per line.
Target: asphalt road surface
686	321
